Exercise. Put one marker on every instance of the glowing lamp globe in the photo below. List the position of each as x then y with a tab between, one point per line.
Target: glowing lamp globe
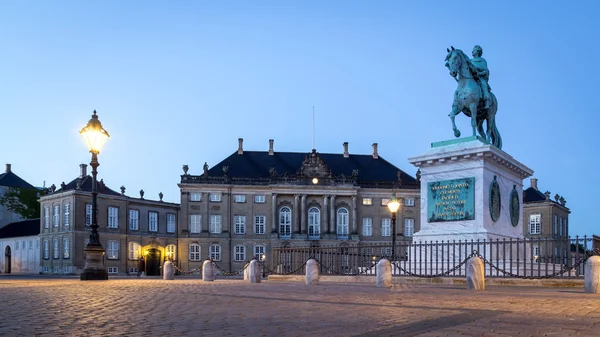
394	204
94	134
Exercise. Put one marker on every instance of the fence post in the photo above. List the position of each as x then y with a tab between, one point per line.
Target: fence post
168	271
592	275
253	271
475	274
312	272
384	274
208	271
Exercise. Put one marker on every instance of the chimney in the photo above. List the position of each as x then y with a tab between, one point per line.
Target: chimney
7	168
241	146
271	141
83	171
375	154
346	154
534	183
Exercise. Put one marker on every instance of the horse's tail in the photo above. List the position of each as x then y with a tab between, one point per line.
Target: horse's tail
496	138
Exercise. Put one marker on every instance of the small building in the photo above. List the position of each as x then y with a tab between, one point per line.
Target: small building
20	247
9	180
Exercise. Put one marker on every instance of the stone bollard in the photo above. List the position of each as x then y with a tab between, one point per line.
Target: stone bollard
254	271
592	275
475	274
384	274
208	271
312	272
168	271
247	272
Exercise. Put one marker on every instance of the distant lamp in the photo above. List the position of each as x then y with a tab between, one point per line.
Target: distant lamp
262	258
94	134
393	205
315	180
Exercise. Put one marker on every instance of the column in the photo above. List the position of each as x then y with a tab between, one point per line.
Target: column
354	220
325	226
206	219
332	215
296	214
303	227
274	214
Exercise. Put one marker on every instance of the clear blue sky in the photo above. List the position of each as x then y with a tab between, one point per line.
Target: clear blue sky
178	82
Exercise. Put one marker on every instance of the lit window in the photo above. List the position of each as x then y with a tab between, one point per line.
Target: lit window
215	224
195	223
66	248
259	224
215	197
113	217
88	214
134	219
240	253
385	227
535	224
240	224
240	198
259	199
66	214
259	251
367	227
170	223
215	252
171	252
153	221
367	201
342	222
55	249
285	221
409	202
46	217
409	227
113	270
56	216
195	196
112	251
194	252
385	201
134	250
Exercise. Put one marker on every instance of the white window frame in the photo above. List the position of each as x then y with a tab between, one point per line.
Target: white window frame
134	250
239	224
46	249
314	221
285	221
66	214
134	219
385	201
215	197
195	196
113	270
367	201
152	221
239	253
194	251
88	214
171	251
259	251
66	248
56	216
195	223
410	202
260	222
342	221
170	223
216	224
259	199
55	248
46	216
239	198
112	250
409	227
215	252
367	227
113	217
386	227
535	223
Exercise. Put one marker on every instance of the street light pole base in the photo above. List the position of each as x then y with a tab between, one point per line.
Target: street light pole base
94	266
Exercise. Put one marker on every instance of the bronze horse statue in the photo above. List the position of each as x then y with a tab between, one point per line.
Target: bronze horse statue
468	98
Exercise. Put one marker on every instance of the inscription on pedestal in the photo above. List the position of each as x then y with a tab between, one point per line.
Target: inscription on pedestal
451	200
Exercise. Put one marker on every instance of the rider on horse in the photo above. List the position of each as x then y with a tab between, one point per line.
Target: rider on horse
482	74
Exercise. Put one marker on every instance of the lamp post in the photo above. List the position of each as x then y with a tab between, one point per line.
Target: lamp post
393	205
262	260
95	136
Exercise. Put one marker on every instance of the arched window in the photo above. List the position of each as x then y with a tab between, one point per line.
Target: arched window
239	253
194	252
66	248
314	223
215	252
342	222
285	221
170	249
46	249
134	250
55	250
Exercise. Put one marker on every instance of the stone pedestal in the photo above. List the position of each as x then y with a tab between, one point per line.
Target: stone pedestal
475	274
384	274
208	271
168	271
254	272
460	180
94	265
312	272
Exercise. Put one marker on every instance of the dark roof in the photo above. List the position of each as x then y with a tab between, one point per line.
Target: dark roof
86	185
259	164
21	228
533	195
12	180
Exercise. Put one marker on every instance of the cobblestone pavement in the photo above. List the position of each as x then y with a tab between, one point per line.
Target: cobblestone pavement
153	307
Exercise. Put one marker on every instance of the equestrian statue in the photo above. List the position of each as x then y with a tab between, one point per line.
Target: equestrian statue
473	95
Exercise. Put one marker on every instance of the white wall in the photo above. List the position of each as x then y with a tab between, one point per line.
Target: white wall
24	260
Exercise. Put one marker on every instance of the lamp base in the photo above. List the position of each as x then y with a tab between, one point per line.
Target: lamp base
94	266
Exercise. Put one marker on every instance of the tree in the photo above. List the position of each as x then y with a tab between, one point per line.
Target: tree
22	201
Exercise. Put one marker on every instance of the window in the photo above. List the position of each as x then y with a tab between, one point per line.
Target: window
66	248
240	253
153	221
215	197
536	252
113	217
259	224
240	224
342	221
285	221
171	249
170	223
535	224
367	201
195	196
37	244
314	223
88	214
112	251
134	250
30	244
215	224
16	245
113	270
385	227
45	269
133	270
215	252
66	214
194	252
259	251
555	224
240	198
195	223
409	202
46	250
56	216
367	255
385	201
134	219
55	249
46	217
566	227
259	199
409	227
367	227
561	227
67	270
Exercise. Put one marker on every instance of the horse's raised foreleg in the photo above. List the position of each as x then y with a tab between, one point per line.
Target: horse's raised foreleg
452	115
473	108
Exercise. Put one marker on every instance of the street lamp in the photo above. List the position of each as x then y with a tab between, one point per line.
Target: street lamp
95	136
393	205
262	260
